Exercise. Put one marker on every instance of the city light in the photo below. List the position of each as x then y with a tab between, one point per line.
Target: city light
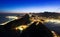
14	17
53	20
22	27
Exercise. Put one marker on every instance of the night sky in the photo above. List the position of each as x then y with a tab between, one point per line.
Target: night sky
30	5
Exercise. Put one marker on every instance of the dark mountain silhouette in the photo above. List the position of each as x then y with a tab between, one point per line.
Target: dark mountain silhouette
8	31
22	21
32	31
48	14
43	31
29	31
37	31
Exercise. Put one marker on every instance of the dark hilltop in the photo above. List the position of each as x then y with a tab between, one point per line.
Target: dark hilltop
33	30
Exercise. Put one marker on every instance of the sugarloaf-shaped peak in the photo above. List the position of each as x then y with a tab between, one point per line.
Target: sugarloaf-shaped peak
22	21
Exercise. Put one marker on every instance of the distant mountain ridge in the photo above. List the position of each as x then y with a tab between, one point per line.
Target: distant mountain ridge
44	14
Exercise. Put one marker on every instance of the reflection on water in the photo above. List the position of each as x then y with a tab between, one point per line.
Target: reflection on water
54	27
53	24
6	19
